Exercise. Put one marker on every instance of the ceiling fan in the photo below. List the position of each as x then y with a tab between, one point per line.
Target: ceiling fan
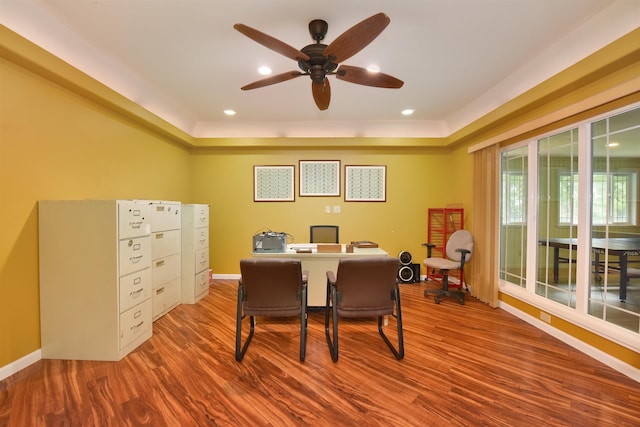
319	60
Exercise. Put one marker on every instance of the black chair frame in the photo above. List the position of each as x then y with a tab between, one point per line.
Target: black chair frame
241	349
331	306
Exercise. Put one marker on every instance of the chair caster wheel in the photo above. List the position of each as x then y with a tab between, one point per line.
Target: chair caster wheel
437	300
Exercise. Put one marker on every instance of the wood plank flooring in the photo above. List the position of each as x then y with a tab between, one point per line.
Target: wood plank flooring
464	366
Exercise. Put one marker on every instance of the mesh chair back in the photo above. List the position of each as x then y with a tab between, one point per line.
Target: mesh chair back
365	286
273	287
324	234
461	239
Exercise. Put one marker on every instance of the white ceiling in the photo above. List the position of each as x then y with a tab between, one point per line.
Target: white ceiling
182	59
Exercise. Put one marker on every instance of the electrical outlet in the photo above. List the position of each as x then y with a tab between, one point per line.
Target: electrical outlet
327	209
336	209
545	317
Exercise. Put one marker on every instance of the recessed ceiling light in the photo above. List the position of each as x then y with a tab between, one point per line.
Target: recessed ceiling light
230	112
373	69
408	112
265	71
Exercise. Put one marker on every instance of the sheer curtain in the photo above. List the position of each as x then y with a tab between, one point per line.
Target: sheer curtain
484	267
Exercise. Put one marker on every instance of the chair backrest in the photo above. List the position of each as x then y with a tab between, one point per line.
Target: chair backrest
324	234
365	285
461	239
273	286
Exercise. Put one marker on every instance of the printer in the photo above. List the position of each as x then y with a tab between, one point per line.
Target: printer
270	242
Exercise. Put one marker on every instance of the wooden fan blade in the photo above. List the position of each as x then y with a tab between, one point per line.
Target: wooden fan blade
272	43
321	93
356	38
362	76
273	80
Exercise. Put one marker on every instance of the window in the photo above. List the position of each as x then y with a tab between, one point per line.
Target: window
621	210
575	251
514	208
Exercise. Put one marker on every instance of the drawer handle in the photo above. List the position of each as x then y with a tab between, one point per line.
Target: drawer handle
160	263
135	293
203	240
160	290
159	235
135	259
134	327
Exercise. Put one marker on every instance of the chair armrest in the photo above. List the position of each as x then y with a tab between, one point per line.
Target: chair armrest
331	277
429	247
463	258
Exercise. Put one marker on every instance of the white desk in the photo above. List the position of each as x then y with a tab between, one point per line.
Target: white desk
317	264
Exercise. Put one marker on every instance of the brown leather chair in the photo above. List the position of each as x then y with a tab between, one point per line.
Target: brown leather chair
271	287
364	287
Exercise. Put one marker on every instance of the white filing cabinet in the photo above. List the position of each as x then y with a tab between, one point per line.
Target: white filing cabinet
195	253
165	255
95	278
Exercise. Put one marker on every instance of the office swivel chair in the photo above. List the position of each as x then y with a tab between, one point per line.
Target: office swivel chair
271	287
324	234
458	252
364	287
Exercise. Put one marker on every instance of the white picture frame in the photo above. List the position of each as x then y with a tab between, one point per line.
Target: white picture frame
274	183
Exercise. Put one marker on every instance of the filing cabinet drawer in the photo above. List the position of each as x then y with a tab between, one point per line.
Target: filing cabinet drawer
202	282
165	297
201	236
165	269
134	323
135	288
165	216
202	259
134	219
202	216
165	243
134	254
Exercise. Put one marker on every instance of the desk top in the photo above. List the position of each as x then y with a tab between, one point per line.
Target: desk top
614	243
291	251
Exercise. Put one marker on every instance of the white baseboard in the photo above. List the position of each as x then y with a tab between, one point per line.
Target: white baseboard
226	276
599	355
17	365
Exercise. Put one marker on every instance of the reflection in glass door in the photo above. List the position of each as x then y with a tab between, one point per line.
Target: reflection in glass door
513	222
614	294
557	217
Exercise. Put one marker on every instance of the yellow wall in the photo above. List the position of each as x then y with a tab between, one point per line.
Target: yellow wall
65	136
415	181
56	145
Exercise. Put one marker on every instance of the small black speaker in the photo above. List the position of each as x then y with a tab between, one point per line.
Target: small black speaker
408	272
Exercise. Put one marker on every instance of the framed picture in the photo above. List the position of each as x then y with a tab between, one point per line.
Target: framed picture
365	184
273	183
319	178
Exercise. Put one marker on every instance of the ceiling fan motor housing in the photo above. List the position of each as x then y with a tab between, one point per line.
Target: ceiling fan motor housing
318	65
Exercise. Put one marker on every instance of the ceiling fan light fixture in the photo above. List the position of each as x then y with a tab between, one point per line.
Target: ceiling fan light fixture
373	69
264	70
408	111
229	112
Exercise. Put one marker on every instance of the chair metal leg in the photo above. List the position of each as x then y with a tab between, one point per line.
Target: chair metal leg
242	349
331	306
303	325
399	353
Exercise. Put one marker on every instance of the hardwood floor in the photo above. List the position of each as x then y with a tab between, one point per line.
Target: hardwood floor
464	366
